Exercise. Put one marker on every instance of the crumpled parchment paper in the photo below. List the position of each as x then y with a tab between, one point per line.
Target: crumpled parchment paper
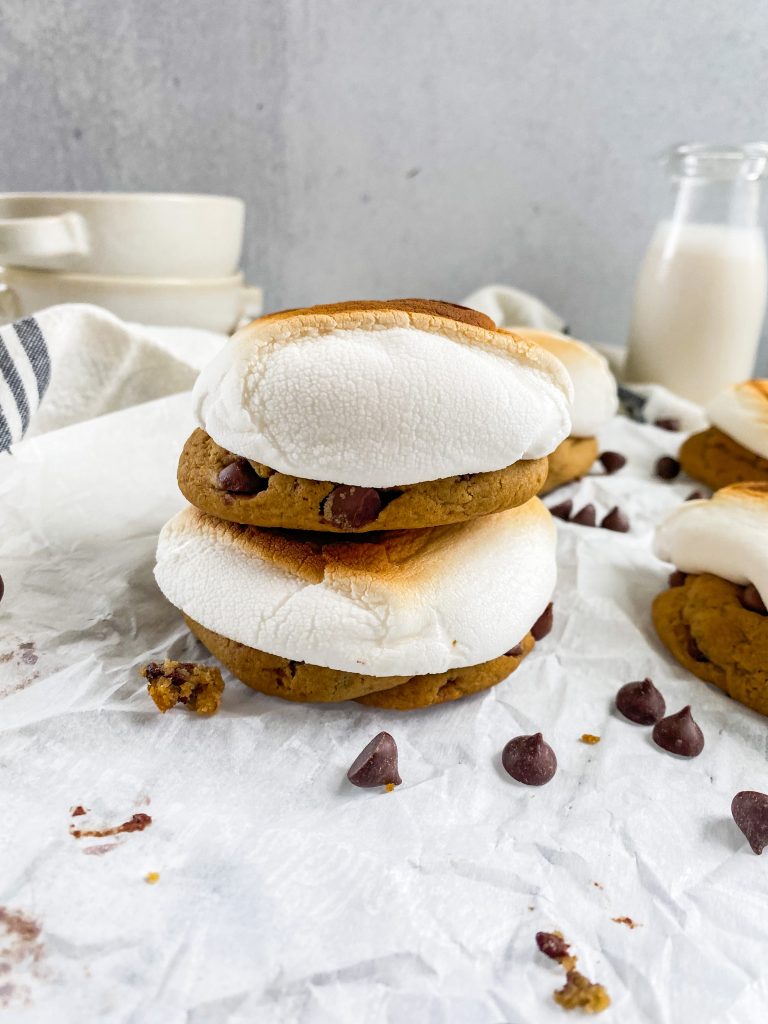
286	895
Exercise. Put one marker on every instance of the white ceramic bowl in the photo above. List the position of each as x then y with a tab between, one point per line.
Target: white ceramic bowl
137	234
215	304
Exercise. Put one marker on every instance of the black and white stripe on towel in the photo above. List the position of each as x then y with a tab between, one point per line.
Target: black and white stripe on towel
25	371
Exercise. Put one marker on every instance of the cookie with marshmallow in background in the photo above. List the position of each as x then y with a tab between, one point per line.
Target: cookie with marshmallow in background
595	403
369	416
713	616
735	448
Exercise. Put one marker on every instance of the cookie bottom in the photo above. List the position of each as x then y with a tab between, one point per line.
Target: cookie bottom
295	503
704	619
717	460
571	459
298	681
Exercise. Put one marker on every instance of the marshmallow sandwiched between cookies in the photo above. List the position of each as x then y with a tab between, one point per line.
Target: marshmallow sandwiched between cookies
595	403
409	602
437	415
735	447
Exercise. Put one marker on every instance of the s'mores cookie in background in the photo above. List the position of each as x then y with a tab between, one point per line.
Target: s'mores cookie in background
735	447
713	616
403	619
595	403
373	416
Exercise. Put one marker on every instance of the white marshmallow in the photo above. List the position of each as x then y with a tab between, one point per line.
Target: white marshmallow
382	398
438	599
741	412
725	536
595	395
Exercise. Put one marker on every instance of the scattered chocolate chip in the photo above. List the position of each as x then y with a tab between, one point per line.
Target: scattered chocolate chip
77	811
694	496
695	651
241	478
750	812
543	625
563	510
677	578
551	945
585	517
529	760
2	588
376	765
514	652
751	600
612	461
641	702
349	507
667	423
679	734
615	520
667	468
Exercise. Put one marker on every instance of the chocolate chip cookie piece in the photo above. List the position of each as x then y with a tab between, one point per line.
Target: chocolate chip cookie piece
704	623
256	495
717	460
297	681
572	458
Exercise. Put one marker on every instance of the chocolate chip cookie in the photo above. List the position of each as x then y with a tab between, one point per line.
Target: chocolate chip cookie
572	458
719	632
298	681
717	460
224	485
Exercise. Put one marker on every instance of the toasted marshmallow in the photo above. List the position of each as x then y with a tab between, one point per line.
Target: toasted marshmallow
380	395
595	395
725	536
741	412
414	602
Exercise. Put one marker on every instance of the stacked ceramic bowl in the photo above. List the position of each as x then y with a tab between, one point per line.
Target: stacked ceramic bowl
164	259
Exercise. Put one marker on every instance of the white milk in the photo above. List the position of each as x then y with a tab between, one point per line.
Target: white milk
699	306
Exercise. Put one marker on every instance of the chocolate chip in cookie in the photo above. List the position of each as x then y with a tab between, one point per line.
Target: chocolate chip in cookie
677	578
750	812
552	945
2	588
751	600
514	652
376	764
530	760
641	702
695	651
241	478
679	734
350	507
543	625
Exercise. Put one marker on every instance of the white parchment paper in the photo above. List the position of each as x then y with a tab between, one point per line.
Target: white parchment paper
287	895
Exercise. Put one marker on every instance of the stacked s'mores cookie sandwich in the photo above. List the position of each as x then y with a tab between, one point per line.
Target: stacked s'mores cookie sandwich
363	520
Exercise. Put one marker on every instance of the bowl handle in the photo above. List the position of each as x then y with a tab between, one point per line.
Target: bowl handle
30	241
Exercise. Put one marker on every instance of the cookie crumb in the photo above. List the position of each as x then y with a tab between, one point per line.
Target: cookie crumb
389	788
588	737
627	921
597	885
177	682
579	993
152	877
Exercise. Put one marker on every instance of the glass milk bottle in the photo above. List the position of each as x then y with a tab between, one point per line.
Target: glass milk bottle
700	295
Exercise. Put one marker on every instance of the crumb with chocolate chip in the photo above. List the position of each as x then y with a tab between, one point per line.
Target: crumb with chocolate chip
578	993
169	683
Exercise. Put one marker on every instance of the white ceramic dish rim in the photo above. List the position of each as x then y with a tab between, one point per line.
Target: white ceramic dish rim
12	273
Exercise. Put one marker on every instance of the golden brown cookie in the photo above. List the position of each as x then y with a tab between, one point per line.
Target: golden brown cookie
297	681
294	503
717	460
709	631
572	458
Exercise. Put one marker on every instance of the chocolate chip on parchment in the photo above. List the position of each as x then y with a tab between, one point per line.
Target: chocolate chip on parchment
694	496
667	423
641	702
695	651
543	625
751	600
2	588
528	759
376	764
612	462
551	945
563	510
615	520
241	478
350	507
677	578
667	468
679	734
750	812
586	516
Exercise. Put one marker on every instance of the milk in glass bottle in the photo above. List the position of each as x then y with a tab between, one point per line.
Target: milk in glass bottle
701	292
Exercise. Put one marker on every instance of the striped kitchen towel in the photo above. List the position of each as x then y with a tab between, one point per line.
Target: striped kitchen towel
74	362
25	373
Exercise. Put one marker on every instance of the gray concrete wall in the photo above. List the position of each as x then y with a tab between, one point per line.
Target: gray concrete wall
391	147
